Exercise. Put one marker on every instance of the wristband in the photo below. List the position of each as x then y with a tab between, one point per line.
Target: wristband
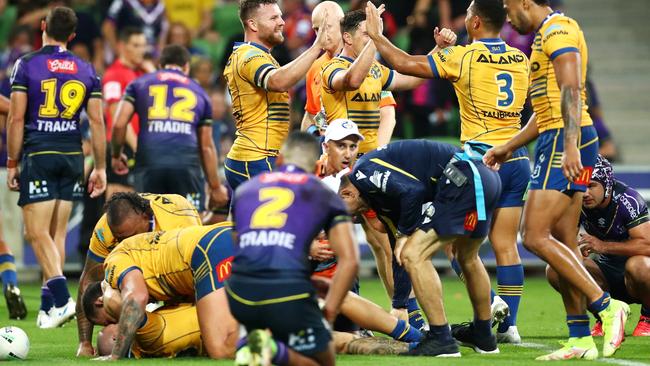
12	163
313	129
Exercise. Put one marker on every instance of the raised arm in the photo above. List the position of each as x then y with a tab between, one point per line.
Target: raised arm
353	77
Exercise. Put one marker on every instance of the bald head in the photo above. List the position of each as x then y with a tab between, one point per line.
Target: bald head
330	7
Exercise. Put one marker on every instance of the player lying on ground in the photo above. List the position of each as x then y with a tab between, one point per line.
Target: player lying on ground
167	331
188	265
615	217
127	214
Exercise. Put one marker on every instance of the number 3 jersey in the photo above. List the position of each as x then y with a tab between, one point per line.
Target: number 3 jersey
171	107
491	82
277	215
58	85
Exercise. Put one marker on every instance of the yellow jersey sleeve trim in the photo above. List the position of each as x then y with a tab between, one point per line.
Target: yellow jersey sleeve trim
276	300
393	167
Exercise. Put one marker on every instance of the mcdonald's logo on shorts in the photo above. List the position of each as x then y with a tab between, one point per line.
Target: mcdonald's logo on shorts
471	219
224	269
585	176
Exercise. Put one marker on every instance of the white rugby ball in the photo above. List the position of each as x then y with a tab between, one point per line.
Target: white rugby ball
14	344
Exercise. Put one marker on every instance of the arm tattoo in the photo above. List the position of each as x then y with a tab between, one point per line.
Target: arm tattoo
571	107
93	272
130	319
376	346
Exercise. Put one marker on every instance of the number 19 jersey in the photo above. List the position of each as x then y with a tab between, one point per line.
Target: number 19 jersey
491	82
58	84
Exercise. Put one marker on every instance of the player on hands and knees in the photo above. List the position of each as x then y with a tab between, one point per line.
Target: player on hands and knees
127	214
565	155
49	88
615	217
444	196
277	215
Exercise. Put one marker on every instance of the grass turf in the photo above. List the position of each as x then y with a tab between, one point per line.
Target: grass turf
541	324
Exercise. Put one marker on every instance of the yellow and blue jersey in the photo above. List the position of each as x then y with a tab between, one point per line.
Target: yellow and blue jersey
558	34
491	82
165	259
170	211
261	116
361	105
168	332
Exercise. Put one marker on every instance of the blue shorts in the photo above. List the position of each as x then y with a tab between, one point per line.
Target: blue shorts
515	175
288	308
238	172
212	261
547	173
455	207
46	176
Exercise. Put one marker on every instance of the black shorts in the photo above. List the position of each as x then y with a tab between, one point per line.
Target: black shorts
46	176
187	182
614	273
112	177
289	310
454	208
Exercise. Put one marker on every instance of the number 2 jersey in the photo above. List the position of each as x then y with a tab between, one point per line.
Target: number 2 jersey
491	81
58	84
277	215
171	108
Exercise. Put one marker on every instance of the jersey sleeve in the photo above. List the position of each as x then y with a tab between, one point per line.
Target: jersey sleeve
257	67
130	92
446	63
330	69
387	99
19	79
117	265
338	213
100	241
559	38
96	85
387	76
635	210
206	115
313	81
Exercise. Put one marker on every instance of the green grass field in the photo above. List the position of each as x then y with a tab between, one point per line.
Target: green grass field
541	324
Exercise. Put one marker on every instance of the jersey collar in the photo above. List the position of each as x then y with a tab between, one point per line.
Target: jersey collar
290	168
490	40
53	49
548	17
237	44
345	58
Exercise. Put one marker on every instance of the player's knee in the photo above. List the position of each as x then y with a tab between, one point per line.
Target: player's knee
532	240
552	277
637	269
410	257
34	235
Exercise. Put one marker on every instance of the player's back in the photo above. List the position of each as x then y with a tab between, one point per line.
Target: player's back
557	35
277	215
165	258
170	211
171	107
491	82
169	331
261	116
58	85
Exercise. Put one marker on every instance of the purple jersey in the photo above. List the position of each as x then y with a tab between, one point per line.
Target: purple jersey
277	215
171	108
58	84
626	210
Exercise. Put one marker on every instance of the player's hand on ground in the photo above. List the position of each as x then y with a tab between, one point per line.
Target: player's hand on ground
571	164
120	165
97	183
218	197
496	156
590	244
320	250
374	24
13	179
85	350
444	37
